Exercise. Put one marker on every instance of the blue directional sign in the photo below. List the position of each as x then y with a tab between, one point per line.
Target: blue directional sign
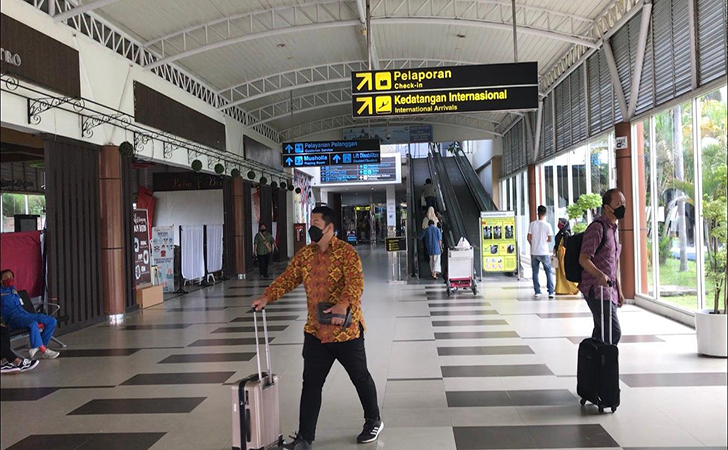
384	172
324	153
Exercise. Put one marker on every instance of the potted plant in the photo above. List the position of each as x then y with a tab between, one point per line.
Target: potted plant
586	202
712	324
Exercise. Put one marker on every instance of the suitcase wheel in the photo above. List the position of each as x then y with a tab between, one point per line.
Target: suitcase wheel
601	410
583	402
614	409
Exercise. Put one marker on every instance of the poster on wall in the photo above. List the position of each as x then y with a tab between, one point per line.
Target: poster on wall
142	254
163	256
498	235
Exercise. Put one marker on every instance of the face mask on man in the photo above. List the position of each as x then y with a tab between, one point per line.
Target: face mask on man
620	212
316	233
9	282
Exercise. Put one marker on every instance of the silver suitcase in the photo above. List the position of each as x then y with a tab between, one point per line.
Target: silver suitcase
256	413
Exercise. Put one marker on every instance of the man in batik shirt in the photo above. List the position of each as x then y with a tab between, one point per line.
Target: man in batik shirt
330	269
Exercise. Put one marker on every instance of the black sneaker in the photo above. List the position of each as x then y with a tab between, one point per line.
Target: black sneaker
298	443
371	431
27	364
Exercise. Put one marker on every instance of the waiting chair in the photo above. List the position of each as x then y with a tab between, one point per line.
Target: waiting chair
40	309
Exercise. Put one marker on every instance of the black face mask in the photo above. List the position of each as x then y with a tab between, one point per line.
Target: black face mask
316	233
620	212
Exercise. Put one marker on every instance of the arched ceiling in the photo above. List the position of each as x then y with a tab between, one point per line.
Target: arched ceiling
288	62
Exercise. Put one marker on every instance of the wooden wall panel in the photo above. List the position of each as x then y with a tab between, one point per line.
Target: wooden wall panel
73	233
127	188
161	112
282	219
248	220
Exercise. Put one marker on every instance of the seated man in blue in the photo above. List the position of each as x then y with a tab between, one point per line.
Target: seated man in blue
433	240
16	317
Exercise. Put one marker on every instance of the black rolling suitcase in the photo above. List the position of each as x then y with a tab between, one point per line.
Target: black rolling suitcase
598	368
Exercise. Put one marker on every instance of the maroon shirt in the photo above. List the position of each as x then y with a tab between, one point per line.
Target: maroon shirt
606	260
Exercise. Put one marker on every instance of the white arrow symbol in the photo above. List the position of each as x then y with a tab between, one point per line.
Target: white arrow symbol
337	158
288	147
289	161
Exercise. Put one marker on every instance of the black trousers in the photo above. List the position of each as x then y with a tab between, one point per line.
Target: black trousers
263	261
6	352
594	305
317	361
431	201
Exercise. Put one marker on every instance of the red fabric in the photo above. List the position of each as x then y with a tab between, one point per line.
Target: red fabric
20	252
145	200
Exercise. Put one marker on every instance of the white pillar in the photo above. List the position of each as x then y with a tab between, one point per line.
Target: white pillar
391	211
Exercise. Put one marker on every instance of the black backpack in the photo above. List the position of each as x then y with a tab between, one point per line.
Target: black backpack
572	268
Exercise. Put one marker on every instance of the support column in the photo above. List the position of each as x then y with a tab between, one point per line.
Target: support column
642	204
238	227
112	232
532	200
626	225
495	177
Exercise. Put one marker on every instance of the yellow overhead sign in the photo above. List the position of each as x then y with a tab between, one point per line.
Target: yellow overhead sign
445	89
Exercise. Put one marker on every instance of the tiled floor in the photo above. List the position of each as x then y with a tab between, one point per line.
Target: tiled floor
497	371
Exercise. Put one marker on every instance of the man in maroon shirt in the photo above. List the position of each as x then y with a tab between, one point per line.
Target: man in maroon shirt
600	261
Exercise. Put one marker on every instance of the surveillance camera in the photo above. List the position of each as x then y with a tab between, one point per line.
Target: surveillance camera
388	136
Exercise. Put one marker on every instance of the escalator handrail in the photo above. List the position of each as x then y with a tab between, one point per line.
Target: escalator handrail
441	204
453	213
485	202
414	203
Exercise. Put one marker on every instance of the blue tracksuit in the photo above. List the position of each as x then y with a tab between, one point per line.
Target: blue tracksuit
16	317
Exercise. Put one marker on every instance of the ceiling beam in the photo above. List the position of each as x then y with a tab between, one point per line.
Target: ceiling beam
307	77
485	24
251	37
88	7
346	121
263	24
311	102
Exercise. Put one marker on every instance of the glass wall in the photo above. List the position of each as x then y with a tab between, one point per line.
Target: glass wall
685	193
711	116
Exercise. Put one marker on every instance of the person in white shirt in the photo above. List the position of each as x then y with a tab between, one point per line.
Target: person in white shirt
540	234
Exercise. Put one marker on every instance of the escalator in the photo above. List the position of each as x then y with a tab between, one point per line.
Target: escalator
461	198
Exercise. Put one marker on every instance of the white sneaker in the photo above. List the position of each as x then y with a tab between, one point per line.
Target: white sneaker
50	354
552	295
34	353
536	295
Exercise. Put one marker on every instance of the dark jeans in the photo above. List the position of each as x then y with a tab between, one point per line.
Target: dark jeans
431	201
6	351
317	361
263	261
593	302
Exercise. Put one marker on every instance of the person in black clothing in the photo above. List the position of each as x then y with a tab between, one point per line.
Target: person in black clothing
12	363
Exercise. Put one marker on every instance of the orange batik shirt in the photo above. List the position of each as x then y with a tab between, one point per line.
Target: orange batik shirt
332	276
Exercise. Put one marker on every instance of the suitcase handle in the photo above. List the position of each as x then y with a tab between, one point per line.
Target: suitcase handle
267	345
611	317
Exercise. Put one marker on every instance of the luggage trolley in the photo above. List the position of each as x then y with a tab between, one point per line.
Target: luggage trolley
460	270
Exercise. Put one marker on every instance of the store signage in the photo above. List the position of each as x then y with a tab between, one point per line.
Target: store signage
435	90
325	153
396	244
30	55
163	256
141	248
384	172
10	57
498	236
186	181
